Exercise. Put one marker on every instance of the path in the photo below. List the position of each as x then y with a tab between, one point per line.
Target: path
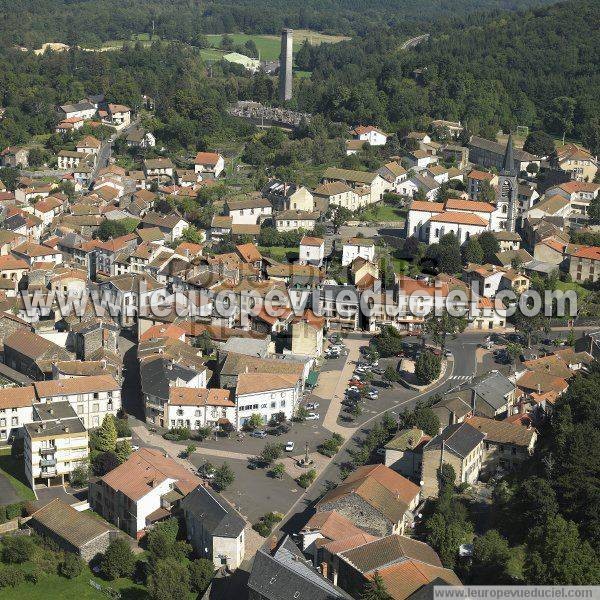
335	406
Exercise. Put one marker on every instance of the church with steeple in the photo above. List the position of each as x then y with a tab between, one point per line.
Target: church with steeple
507	201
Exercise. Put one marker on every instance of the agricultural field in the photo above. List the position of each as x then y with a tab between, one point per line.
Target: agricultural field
269	45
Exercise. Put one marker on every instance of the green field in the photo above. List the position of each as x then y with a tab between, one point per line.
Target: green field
269	45
58	588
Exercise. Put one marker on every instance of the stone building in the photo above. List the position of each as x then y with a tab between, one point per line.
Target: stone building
459	445
374	498
72	530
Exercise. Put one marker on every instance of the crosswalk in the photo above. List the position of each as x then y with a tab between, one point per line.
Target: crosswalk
459	378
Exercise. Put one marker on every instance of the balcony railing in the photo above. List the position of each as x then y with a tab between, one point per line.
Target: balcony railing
48	462
48	450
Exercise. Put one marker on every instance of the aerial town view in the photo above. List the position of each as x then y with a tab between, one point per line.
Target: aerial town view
299	300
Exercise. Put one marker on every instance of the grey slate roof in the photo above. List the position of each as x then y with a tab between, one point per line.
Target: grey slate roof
249	346
156	375
287	574
492	388
461	439
216	515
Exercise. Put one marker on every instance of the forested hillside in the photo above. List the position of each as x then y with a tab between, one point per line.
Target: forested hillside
33	22
536	68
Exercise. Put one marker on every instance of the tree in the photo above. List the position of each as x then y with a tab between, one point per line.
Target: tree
72	566
204	343
106	437
37	156
427	368
375	589
254	422
189	450
491	554
426	419
169	578
193	235
539	143
201	573
514	351
224	477
80	476
341	216
490	246
556	555
443	325
270	453
472	252
529	325
487	192
123	450
391	375
104	463
109	230
561	115
118	560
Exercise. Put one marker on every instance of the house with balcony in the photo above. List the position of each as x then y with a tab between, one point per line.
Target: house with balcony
16	409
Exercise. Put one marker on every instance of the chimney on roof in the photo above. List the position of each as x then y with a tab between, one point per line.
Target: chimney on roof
103	364
67	429
272	543
539	388
324	569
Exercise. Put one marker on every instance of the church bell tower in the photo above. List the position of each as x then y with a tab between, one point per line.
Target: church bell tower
507	201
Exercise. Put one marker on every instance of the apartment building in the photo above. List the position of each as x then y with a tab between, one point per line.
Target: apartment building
55	443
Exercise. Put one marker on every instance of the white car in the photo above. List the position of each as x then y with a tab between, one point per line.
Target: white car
312	405
289	447
135	448
312	416
352	388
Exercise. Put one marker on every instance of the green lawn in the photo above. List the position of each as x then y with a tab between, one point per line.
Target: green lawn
13	470
573	285
278	252
54	587
269	46
400	265
384	212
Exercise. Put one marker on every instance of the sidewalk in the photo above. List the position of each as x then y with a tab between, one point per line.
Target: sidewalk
173	449
337	394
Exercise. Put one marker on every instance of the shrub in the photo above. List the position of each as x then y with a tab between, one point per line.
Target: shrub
179	434
118	560
17	549
11	576
330	446
265	526
307	478
72	566
201	572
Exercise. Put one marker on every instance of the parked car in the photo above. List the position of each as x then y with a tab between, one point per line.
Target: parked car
135	448
312	416
259	433
373	394
312	405
447	353
380	451
375	363
289	447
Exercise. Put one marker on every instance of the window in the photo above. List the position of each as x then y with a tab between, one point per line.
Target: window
95	407
80	409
